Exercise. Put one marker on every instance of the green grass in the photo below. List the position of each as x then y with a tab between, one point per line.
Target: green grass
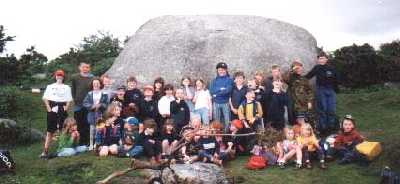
377	115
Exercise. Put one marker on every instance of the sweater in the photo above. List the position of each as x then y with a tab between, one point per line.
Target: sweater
274	104
343	139
80	87
180	113
326	76
221	88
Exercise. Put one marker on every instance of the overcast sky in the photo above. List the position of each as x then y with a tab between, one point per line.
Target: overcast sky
53	26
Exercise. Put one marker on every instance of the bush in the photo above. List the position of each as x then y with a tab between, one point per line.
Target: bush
15	103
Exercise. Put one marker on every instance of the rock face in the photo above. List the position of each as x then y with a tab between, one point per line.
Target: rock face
196	173
176	46
11	133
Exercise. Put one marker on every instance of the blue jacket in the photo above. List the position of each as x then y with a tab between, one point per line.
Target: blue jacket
92	115
221	89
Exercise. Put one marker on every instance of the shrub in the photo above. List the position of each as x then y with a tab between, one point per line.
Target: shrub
15	103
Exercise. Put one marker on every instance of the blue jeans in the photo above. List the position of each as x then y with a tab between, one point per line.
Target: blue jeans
326	107
224	108
67	152
204	154
203	113
135	151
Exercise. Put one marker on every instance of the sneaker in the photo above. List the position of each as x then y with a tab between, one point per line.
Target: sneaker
323	165
281	165
44	156
308	165
298	166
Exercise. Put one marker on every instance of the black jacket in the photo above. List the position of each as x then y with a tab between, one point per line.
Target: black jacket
180	113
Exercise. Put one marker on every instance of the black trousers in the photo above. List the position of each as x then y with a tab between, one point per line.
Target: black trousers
83	126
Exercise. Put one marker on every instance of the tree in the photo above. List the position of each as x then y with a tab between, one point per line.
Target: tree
390	66
4	39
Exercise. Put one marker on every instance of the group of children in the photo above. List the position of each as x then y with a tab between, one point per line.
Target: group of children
196	123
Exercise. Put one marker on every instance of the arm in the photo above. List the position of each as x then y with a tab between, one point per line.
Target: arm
241	113
259	110
73	87
46	103
311	73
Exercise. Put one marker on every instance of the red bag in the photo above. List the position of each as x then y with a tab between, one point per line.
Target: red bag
256	162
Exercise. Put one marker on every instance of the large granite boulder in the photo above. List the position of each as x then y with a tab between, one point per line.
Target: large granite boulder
11	133
176	46
196	173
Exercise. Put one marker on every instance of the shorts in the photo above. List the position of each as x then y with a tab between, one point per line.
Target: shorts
55	121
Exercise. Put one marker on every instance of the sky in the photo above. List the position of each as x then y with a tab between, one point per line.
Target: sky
53	26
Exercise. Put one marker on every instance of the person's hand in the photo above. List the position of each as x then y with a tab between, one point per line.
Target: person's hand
65	108
252	120
309	105
235	111
230	144
152	141
48	108
131	104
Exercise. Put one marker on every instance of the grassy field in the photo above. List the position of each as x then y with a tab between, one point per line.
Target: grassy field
377	115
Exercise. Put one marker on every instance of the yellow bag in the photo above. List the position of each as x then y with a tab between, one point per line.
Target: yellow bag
369	149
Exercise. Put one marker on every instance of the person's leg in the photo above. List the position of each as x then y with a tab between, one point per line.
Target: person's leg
81	149
331	108
91	137
66	152
204	116
135	151
216	113
322	108
83	127
173	145
226	112
113	149
165	147
47	142
103	152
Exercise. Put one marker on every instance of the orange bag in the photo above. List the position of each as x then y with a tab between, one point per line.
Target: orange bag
256	162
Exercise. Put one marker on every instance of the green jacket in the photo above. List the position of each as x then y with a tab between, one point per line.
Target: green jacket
300	92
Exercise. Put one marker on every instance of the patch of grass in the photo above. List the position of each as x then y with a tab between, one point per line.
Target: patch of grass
377	115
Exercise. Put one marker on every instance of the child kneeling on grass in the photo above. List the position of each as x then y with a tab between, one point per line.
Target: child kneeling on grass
69	139
108	132
310	147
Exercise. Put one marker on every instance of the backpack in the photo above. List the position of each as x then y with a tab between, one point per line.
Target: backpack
256	162
7	164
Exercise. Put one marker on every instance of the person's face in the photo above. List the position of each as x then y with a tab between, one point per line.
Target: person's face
84	68
179	94
107	81
169	128
128	127
306	132
158	85
199	85
277	84
322	60
132	84
96	85
59	78
169	92
348	126
221	71
250	95
74	128
259	78
120	93
301	121
117	112
148	93
188	136
150	131
275	72
299	70
252	84
290	135
239	80
186	82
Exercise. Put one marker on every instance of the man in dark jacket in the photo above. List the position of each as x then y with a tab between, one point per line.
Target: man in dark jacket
220	89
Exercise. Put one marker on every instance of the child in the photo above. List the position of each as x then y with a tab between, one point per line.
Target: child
108	131
151	144
188	91
95	102
57	98
133	96
226	150
300	122
149	107
327	84
169	138
191	148
158	87
252	84
132	141
345	142
164	104
180	112
69	139
202	102
119	96
208	148
238	95
289	148
251	111
276	102
310	146
301	93
107	83
259	77
275	74
243	144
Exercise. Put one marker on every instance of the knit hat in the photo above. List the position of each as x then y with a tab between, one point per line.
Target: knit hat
222	65
59	73
237	124
132	121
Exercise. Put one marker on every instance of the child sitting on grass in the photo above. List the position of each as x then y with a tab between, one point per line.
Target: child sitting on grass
132	145
208	148
289	148
151	144
108	131
169	138
345	142
226	150
310	147
191	147
69	139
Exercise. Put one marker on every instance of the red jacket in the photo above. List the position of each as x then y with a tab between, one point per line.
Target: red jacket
344	139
